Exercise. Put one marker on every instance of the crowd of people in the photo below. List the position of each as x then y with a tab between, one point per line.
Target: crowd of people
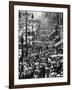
41	59
39	63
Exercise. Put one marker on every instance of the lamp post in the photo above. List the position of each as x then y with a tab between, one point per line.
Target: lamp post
32	26
26	34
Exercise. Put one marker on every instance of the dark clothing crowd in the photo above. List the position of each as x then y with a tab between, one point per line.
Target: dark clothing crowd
40	63
41	60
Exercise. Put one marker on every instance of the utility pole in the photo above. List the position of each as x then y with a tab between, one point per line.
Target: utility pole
26	34
32	25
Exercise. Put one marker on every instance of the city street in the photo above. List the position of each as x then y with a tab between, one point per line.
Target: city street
40	45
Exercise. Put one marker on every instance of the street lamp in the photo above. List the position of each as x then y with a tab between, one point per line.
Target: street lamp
32	25
26	33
